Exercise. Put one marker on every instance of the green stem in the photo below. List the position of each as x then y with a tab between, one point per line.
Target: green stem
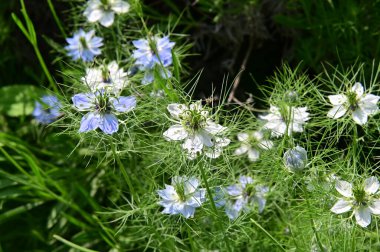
214	206
125	174
52	83
56	18
72	245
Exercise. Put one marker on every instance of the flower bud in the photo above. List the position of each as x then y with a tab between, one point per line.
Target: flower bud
295	159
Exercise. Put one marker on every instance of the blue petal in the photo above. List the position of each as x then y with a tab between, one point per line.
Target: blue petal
84	101
124	103
90	121
148	78
109	124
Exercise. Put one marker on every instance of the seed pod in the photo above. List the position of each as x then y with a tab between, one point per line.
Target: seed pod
295	159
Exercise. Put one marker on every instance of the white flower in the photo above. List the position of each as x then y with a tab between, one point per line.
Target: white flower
243	196
182	197
251	143
288	120
196	129
360	105
103	11
360	199
110	77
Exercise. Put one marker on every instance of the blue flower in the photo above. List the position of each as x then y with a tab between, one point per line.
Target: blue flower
243	196
182	197
47	111
102	110
153	52
84	45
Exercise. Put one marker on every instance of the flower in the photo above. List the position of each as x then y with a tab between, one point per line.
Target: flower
287	120
84	45
360	199
251	143
243	196
102	110
110	78
360	105
47	111
182	197
198	131
295	159
104	11
151	52
216	150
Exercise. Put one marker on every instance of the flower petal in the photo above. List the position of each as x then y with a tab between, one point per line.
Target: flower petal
176	109
344	188
358	89
341	206
371	185
120	7
242	136
90	121
337	99
109	124
190	185
213	128
253	154
337	112
107	18
84	102
242	149
375	206
363	216
359	116
175	133
368	104
124	103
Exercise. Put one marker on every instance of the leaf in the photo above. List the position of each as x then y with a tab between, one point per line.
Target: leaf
19	100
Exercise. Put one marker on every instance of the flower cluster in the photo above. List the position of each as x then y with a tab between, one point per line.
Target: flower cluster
199	133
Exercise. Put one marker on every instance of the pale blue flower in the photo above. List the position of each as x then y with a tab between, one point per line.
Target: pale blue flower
84	45
295	159
182	197
243	196
48	110
153	52
102	109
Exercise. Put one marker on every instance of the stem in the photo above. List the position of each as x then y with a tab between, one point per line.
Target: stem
268	234
125	174
56	18
45	69
204	178
73	245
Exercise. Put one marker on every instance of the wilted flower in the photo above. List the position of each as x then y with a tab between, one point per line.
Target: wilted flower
360	105
104	11
182	197
110	78
151	52
243	196
251	143
287	120
198	131
360	199
295	159
48	110
84	45
102	109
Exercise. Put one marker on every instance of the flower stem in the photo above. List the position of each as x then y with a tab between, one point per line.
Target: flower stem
204	178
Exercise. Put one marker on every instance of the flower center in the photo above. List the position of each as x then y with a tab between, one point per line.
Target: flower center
360	197
250	190
192	120
180	189
106	76
83	42
352	101
106	6
102	104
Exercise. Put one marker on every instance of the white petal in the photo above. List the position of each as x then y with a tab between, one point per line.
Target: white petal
375	207
242	137
368	104
337	112
242	149
120	7
337	99
358	89
176	109
341	206
363	216
175	132
206	138
94	15
213	128
371	185
266	144
258	135
253	155
359	116
344	188
191	185
107	19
